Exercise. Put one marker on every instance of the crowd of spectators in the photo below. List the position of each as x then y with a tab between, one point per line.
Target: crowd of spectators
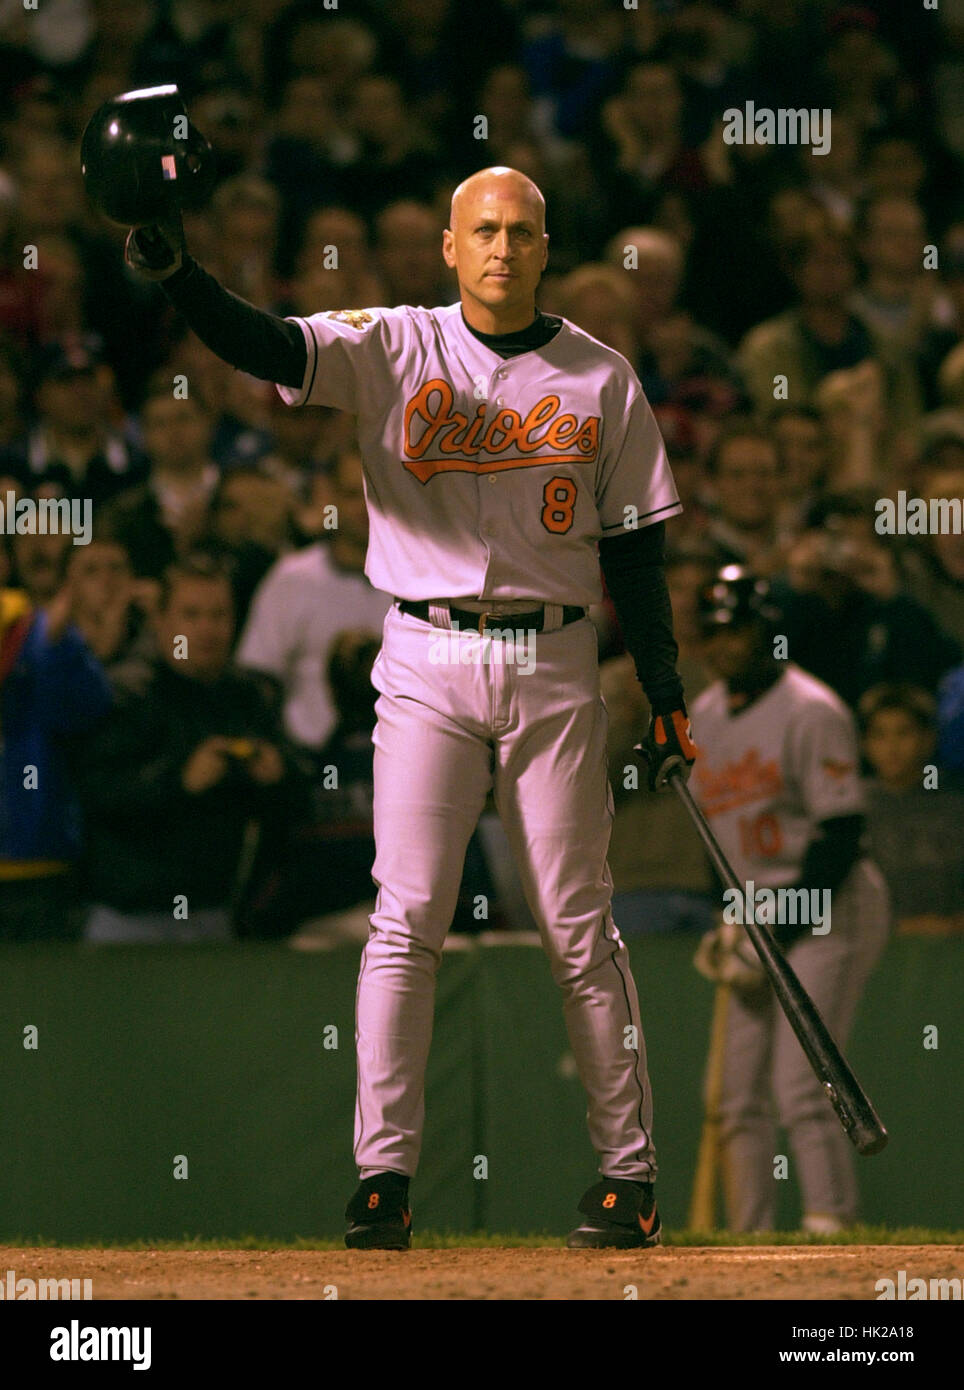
796	320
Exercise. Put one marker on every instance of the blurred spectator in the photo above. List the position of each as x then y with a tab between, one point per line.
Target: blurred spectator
681	437
851	404
232	119
337	51
835	178
89	281
643	149
848	622
571	63
305	600
74	440
408	239
894	164
399	159
859	71
109	606
948	72
735	236
249	506
311	154
899	299
333	851
598	299
744	476
677	360
21	291
60	271
12	389
932	566
305	444
50	190
166	515
939	357
184	775
710	51
803	445
439	49
652	262
246	212
822	334
505	98
52	689
336	239
237	404
940	444
248	527
913	818
952	269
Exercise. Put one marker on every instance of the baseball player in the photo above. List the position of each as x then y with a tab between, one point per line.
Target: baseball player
506	455
778	779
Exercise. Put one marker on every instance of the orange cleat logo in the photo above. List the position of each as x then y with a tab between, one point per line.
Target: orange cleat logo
647	1226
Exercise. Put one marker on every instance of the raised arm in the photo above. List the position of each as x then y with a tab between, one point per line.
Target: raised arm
251	339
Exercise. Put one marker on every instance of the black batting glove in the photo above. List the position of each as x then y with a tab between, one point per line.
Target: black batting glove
156	251
668	744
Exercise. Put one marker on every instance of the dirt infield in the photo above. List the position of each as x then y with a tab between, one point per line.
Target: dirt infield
768	1272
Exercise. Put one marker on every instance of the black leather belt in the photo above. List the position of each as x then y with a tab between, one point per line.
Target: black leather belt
512	622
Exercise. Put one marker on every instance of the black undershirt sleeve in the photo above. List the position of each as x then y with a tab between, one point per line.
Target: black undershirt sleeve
632	564
830	856
251	339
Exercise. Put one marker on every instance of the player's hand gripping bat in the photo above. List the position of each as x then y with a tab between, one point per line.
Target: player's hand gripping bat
854	1110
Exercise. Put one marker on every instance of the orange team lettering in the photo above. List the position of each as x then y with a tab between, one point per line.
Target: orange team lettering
737	783
431	423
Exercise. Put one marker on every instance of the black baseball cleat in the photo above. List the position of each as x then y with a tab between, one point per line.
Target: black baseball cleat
620	1215
379	1216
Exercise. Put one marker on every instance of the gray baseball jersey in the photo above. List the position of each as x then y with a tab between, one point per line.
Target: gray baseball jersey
486	477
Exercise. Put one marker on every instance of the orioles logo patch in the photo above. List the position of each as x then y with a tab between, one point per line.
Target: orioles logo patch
835	768
356	318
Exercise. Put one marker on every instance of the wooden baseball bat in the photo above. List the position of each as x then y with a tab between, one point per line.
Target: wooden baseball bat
702	1216
854	1110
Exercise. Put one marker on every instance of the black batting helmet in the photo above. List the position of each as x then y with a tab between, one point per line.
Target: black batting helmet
142	159
736	596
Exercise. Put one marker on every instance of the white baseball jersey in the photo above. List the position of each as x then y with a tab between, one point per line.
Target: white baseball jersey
299	608
766	775
487	478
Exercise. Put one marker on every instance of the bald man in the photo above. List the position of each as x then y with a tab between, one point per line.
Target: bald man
506	455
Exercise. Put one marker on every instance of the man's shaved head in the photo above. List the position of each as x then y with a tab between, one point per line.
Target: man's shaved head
496	243
499	182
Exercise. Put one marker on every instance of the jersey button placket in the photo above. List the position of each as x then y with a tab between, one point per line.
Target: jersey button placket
489	526
499	676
